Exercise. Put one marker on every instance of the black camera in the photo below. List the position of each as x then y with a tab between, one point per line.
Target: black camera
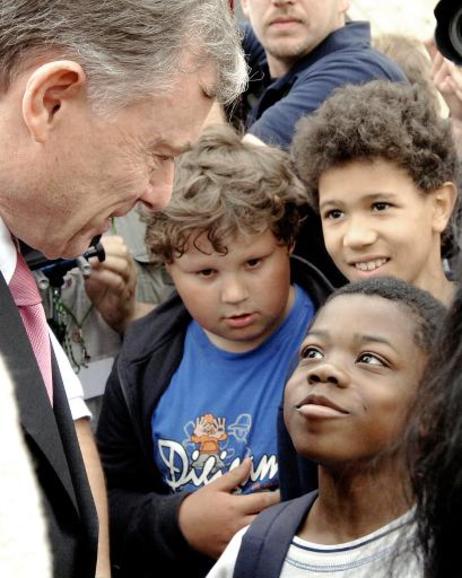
448	33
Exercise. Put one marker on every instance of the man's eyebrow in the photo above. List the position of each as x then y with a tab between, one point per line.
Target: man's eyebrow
161	146
179	150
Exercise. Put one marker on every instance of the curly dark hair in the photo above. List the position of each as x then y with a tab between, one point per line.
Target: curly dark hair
426	311
224	187
396	122
434	447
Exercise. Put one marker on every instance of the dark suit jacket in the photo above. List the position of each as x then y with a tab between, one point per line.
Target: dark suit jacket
50	436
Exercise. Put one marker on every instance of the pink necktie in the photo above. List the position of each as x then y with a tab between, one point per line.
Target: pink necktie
27	298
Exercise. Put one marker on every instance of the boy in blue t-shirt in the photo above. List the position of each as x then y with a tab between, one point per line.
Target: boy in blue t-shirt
187	431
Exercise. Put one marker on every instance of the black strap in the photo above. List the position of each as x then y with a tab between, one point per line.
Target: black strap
265	544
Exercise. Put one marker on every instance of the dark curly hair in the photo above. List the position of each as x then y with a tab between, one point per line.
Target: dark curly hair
426	311
396	122
223	187
434	444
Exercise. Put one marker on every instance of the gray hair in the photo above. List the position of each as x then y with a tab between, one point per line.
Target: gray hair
126	47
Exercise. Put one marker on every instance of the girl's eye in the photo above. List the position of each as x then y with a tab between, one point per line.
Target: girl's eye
333	214
371	359
381	206
205	273
310	352
253	263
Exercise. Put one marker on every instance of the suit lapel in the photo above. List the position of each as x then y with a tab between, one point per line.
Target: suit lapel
36	413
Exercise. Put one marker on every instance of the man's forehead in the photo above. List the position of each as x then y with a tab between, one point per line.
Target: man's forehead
196	62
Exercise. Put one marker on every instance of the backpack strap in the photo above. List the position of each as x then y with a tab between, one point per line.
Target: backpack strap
265	544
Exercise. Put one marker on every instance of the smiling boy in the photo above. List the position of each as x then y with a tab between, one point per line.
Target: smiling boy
381	167
195	391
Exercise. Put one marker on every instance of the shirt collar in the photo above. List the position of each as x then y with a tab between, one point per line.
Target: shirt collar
8	253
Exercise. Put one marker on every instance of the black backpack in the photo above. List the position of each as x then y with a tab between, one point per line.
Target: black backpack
265	544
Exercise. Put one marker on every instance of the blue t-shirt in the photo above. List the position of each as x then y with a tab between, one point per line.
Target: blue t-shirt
221	407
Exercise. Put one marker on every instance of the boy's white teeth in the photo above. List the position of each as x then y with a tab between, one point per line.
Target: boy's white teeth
370	265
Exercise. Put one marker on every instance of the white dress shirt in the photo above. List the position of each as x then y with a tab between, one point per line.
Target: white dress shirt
74	391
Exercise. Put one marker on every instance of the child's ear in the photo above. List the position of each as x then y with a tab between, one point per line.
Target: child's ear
444	199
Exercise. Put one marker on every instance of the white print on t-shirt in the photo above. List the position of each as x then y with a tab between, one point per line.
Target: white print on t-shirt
210	449
181	471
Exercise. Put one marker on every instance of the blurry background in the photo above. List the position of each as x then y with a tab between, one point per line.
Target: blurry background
413	17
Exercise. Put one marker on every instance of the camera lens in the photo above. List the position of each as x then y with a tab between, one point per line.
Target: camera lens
448	33
455	31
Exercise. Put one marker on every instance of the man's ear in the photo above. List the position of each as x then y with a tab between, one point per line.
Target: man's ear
49	88
245	7
444	200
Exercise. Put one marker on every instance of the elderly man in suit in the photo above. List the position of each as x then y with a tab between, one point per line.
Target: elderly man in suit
96	100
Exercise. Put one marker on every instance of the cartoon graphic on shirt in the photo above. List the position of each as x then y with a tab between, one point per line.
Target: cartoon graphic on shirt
208	433
241	427
210	449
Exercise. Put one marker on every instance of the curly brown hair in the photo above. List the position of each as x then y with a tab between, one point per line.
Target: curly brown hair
226	187
396	122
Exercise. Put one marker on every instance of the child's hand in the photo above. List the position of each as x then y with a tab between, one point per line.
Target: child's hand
210	517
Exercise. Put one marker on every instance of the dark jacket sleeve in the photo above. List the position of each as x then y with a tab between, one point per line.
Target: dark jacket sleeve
143	516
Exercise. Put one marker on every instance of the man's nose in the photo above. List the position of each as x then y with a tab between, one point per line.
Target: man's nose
159	191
